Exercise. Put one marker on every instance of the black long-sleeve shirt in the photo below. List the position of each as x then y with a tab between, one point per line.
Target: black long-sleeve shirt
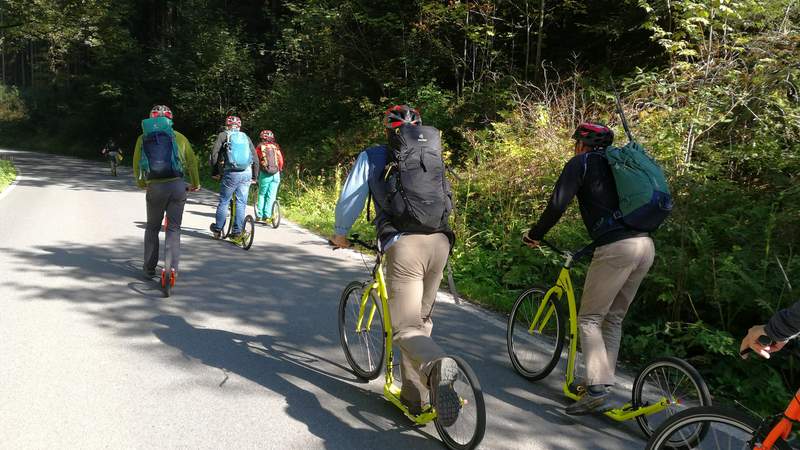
589	177
785	324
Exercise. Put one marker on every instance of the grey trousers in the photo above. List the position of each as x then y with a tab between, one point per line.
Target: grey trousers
614	276
167	197
413	272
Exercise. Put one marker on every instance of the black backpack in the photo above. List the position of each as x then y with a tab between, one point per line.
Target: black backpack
418	197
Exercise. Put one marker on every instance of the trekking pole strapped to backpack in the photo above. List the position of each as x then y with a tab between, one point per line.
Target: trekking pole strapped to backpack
645	201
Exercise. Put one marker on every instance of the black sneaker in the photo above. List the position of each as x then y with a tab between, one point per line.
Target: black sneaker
445	398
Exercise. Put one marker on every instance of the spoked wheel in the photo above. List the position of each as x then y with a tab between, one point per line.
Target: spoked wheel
276	214
228	225
248	232
467	431
710	428
535	334
674	380
363	343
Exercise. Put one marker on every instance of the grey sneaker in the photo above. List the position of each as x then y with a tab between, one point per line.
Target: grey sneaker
214	231
589	403
445	398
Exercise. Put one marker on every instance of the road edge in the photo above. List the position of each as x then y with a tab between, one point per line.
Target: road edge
14	183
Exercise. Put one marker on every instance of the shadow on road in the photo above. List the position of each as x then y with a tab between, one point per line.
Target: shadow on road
294	374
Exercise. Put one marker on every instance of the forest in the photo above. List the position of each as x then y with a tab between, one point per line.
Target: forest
710	88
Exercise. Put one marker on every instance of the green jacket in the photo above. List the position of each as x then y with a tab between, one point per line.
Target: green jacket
185	153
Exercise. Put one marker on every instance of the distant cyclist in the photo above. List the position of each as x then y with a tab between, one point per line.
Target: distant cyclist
161	159
114	154
235	155
112	150
622	258
414	234
270	160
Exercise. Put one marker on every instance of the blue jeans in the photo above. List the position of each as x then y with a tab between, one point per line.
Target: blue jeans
238	182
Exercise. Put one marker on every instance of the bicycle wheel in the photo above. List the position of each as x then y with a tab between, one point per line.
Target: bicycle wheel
673	379
248	231
724	428
228	225
276	214
535	354
467	431
363	344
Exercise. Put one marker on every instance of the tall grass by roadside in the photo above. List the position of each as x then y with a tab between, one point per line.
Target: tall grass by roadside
8	173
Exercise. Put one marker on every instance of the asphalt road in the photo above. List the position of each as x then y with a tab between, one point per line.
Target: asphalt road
245	354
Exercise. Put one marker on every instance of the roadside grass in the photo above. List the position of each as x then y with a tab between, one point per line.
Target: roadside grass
8	173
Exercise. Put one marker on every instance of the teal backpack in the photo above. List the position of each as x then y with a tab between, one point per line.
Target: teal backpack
239	156
644	197
159	157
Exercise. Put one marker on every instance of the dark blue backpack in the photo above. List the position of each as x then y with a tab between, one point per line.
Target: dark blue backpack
159	157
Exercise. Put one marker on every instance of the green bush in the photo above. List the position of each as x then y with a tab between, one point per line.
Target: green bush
8	173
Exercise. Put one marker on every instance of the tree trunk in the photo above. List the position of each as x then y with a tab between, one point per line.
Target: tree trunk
539	40
466	44
528	26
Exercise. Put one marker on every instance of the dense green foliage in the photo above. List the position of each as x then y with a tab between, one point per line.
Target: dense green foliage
8	173
710	87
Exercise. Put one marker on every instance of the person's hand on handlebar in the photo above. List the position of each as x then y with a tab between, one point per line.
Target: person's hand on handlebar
340	241
528	241
757	345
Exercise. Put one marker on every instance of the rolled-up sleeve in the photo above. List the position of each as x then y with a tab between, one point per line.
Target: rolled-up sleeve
353	196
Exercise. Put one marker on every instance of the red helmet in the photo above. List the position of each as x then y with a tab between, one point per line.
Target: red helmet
594	134
267	136
233	122
161	110
399	115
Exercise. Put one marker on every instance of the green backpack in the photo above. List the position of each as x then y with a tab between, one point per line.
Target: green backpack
644	197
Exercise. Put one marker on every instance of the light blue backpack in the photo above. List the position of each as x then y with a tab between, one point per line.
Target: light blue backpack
238	148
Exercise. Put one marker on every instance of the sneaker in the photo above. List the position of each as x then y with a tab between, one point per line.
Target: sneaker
589	403
214	231
149	273
259	219
445	398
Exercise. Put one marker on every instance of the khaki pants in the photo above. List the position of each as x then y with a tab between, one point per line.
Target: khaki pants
614	276
413	272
